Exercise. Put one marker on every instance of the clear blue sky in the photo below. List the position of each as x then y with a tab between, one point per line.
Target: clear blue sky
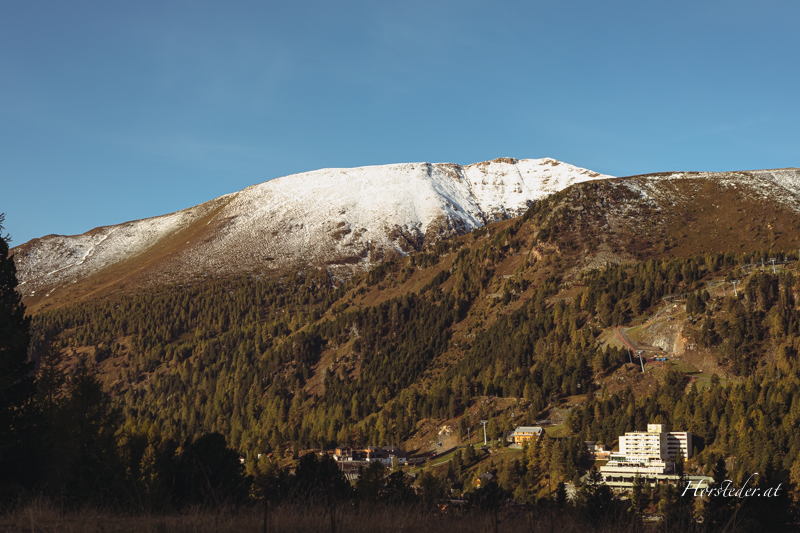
112	111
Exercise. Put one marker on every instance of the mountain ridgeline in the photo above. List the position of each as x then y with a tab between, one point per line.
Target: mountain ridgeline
269	361
511	322
342	220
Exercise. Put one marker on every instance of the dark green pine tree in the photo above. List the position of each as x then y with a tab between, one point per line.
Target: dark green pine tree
719	510
17	385
640	496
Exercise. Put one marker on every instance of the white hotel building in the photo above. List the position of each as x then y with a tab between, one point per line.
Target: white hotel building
678	441
649	454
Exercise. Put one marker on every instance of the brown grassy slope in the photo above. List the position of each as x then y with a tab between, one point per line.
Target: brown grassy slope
677	218
584	226
513	262
132	274
592	223
603	220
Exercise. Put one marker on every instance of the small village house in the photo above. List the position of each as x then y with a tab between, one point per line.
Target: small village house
525	433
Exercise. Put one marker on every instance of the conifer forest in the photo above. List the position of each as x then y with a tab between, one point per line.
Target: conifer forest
220	400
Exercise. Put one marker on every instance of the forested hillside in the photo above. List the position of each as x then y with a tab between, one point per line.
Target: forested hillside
509	323
415	338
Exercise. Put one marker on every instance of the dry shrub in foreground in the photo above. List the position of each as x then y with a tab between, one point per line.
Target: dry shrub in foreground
40	516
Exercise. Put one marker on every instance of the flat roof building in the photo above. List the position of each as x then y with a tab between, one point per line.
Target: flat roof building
370	454
679	441
648	454
597	450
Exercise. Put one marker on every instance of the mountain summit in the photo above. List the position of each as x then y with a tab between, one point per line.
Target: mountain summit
343	220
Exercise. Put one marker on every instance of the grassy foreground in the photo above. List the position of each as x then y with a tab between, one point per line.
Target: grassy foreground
44	517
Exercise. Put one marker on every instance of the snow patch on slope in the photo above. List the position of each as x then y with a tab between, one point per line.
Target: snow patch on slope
332	216
780	185
343	219
56	259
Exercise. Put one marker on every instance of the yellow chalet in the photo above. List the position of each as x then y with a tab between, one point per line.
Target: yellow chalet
525	433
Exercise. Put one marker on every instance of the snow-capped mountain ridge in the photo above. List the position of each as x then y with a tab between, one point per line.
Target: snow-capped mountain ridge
781	185
340	219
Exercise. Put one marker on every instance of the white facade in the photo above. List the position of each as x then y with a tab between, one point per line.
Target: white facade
644	446
614	468
650	452
679	441
655	443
